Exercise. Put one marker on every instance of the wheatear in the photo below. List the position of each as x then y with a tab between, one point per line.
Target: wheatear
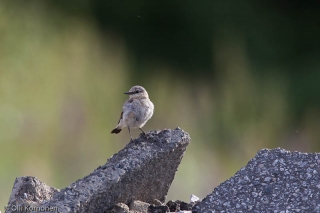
136	111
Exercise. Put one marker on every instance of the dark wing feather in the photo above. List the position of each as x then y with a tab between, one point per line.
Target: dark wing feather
120	117
116	131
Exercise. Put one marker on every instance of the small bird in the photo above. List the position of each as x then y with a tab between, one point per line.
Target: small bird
136	111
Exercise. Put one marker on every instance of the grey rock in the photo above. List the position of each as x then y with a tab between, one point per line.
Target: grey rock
158	209
118	208
185	206
27	193
194	199
158	203
178	205
273	181
143	170
173	206
139	206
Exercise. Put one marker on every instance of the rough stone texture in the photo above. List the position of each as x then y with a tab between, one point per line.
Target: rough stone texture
139	206
173	206
29	191
158	209
157	202
143	170
275	181
119	208
184	206
178	205
194	199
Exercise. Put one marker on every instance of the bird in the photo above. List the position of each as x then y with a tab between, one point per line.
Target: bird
136	111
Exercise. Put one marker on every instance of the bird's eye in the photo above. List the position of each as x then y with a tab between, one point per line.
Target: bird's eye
137	91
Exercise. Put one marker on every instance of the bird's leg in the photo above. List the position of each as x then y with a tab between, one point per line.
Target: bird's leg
142	131
130	133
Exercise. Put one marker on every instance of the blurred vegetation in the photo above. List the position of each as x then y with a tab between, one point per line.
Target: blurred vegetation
238	77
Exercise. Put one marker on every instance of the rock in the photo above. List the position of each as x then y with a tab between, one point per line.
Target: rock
29	192
139	206
143	170
118	208
158	209
273	181
185	206
194	199
157	202
173	206
176	206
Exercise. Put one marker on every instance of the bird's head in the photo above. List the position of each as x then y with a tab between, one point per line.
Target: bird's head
137	92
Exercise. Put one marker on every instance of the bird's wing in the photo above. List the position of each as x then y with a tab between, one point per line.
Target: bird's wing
120	117
128	105
127	108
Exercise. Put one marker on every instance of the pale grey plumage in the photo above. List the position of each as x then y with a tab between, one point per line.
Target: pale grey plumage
137	110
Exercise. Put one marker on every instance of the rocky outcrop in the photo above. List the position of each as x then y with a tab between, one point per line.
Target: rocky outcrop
143	170
273	181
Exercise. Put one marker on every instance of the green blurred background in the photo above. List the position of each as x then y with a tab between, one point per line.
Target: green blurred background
238	76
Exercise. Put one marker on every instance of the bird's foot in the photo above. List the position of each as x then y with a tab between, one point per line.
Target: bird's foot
147	137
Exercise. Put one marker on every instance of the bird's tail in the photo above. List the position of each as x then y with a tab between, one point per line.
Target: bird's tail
116	130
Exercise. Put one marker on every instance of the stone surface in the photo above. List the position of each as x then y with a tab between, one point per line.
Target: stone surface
157	202
119	208
143	170
173	206
29	191
194	199
139	206
178	205
158	209
185	206
275	181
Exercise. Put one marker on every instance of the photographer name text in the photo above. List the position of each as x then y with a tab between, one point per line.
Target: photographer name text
23	208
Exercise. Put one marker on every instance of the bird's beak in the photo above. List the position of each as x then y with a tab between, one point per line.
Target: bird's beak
129	93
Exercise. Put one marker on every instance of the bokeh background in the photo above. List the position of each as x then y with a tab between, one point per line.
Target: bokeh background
238	76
